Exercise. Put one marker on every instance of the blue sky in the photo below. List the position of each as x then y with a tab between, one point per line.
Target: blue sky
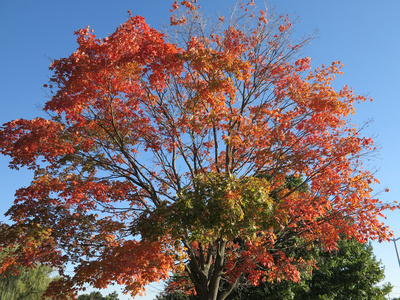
364	35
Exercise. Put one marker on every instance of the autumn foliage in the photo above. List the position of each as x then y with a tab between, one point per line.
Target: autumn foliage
215	153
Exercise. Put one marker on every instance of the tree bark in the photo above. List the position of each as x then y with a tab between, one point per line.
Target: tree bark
206	270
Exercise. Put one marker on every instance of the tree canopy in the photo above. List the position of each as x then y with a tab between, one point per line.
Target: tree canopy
176	152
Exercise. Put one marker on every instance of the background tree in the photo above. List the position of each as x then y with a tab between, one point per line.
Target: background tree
175	295
25	284
98	296
29	284
164	157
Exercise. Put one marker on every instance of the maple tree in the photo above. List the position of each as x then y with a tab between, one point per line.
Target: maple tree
180	155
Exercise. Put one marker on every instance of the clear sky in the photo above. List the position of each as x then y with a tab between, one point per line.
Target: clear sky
364	35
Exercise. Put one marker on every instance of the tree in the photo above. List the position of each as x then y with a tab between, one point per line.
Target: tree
175	295
353	273
25	284
164	157
98	296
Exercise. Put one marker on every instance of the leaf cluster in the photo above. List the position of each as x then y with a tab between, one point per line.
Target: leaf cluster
216	206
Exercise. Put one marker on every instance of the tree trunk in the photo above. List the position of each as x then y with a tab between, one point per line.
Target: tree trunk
206	269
